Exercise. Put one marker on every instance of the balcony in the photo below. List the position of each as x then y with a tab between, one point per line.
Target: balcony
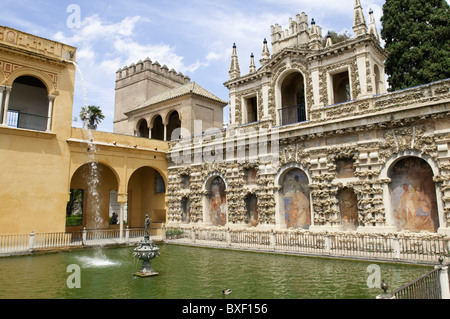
26	121
292	114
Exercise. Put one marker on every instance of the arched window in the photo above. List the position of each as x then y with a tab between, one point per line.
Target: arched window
413	195
28	104
158	129
293	103
173	125
294	200
143	129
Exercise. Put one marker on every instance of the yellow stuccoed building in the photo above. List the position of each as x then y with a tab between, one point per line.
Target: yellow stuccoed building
44	159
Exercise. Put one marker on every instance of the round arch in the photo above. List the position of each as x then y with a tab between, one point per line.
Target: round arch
77	167
96	182
142	128
146	190
157	127
163	175
285	168
173	120
290	115
411	194
2	78
293	202
166	117
45	79
151	122
210	177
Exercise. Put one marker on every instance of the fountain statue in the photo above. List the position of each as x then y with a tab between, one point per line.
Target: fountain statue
146	251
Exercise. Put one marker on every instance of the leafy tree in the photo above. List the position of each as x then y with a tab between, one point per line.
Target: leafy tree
337	37
417	37
91	115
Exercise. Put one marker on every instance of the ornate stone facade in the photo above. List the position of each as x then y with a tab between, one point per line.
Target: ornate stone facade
323	115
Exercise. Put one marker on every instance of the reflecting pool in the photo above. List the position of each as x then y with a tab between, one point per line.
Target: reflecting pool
194	273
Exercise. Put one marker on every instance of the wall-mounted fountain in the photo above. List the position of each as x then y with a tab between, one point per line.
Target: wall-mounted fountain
146	251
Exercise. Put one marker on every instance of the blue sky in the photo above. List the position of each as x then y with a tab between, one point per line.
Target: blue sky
194	37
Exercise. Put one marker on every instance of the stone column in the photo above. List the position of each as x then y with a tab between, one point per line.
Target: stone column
2	90
122	199
51	99
6	105
165	132
122	206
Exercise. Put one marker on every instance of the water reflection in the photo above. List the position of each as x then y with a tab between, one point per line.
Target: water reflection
192	273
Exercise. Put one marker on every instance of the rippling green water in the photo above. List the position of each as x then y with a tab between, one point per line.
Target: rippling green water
194	273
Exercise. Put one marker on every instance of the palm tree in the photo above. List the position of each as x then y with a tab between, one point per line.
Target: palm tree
91	115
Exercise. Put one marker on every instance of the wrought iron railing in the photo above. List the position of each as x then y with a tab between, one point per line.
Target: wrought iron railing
26	120
425	287
292	114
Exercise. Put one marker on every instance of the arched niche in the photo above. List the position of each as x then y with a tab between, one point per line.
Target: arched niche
348	205
215	201
294	200
414	205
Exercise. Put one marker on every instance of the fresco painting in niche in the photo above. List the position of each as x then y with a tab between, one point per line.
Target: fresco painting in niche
294	195
348	203
414	195
218	202
251	206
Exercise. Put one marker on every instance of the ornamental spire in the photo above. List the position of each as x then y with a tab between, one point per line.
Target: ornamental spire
329	42
252	64
372	25
265	56
235	71
359	23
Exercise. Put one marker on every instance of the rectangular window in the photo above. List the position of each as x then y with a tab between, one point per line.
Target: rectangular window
250	110
341	87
